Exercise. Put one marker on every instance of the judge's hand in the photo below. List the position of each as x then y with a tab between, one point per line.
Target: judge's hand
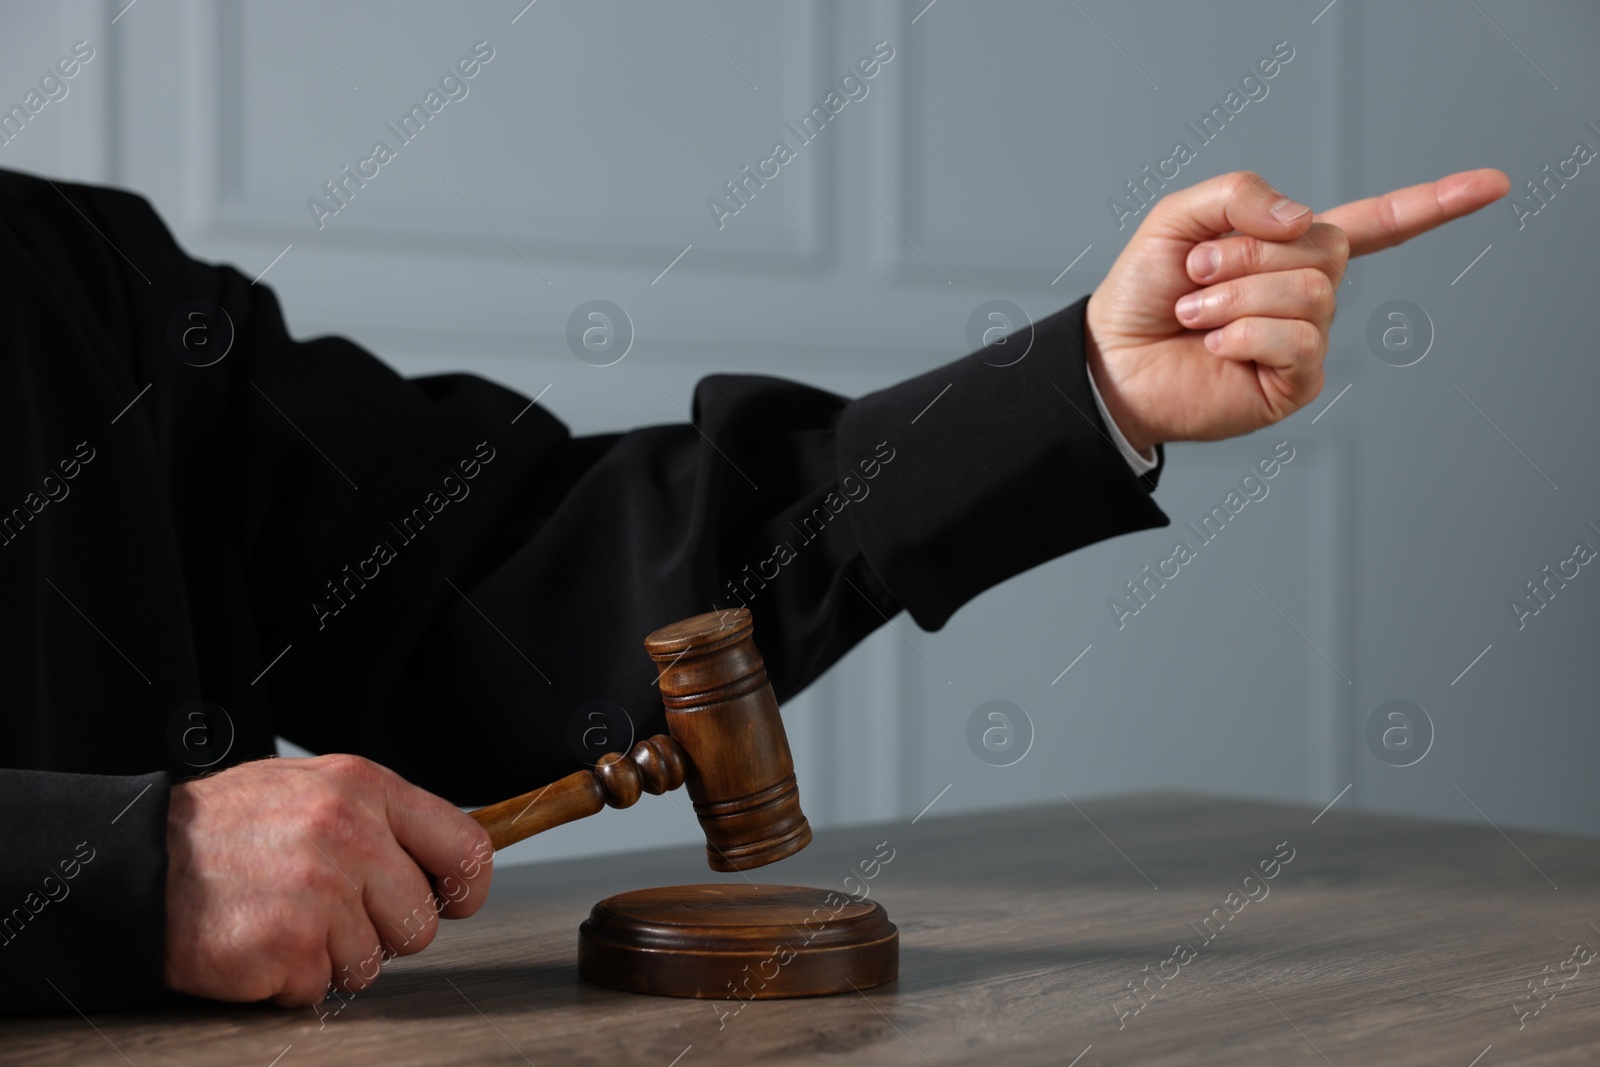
1263	273
287	875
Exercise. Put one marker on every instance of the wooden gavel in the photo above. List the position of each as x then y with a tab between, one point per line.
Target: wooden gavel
727	744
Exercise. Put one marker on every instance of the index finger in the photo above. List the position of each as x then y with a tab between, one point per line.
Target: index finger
444	841
1242	202
1380	222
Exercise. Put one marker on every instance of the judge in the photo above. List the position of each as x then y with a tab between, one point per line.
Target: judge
422	578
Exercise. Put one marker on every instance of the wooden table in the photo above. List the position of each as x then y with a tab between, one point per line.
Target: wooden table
1382	940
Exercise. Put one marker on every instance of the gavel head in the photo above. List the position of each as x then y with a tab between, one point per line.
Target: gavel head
721	711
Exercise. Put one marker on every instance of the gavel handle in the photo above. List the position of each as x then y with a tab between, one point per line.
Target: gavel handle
655	765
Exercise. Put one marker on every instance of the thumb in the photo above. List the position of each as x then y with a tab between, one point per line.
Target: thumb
1241	201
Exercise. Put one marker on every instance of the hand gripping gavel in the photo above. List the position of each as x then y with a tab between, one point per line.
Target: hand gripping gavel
727	744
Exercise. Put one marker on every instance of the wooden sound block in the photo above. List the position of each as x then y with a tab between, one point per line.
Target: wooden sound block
738	940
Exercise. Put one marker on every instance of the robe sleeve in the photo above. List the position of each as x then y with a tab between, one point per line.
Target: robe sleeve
83	888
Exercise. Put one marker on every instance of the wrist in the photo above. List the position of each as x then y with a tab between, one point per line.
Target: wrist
1126	421
180	814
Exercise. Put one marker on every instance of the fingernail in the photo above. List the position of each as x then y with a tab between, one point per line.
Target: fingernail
1188	305
1207	260
1214	340
1286	210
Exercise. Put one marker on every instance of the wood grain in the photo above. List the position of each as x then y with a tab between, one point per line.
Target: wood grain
1383	941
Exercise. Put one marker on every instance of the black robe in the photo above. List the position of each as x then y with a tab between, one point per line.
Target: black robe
426	571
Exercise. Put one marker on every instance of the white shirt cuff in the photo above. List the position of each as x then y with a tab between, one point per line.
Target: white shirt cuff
1141	464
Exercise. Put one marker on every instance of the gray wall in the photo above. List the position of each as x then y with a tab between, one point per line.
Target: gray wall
979	165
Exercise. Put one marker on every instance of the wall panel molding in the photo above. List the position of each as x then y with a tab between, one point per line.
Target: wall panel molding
564	233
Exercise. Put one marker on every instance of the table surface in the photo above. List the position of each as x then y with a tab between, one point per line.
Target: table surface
1383	940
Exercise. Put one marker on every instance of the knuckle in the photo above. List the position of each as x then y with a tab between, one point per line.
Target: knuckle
362	973
1316	288
1253	255
478	846
302	945
351	767
1242	182
1225	298
414	932
331	816
1337	244
1309	344
318	877
1239	334
474	847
